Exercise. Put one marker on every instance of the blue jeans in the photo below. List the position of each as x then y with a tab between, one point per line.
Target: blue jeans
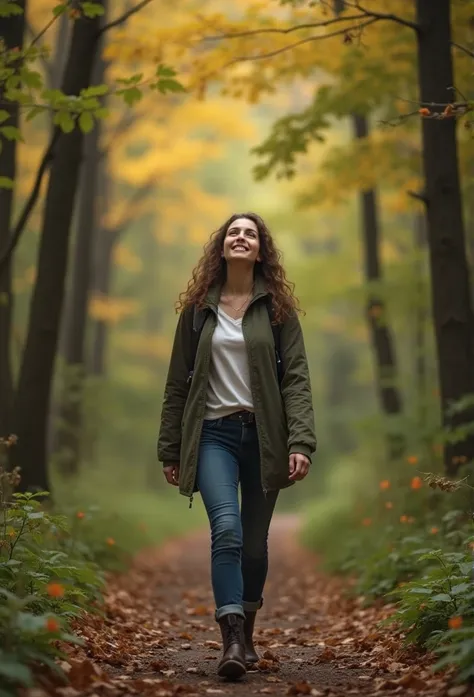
228	453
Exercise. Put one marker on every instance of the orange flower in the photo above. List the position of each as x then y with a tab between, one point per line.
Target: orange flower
410	519
471	546
424	111
388	505
366	522
110	541
384	485
455	622
434	531
55	590
416	483
80	515
403	519
412	460
52	625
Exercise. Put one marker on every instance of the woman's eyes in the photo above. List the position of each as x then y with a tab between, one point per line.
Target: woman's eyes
248	233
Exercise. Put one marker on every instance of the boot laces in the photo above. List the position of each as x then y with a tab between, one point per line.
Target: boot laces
233	630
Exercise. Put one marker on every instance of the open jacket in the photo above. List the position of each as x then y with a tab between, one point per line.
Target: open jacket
283	413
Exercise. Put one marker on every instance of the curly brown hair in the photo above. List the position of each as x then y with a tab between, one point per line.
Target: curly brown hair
211	270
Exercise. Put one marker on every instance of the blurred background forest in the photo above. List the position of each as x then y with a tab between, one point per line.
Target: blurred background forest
319	130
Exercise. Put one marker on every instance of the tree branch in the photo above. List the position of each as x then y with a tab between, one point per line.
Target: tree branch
46	64
418	195
287	30
384	15
309	39
45	29
31	202
123	18
465	50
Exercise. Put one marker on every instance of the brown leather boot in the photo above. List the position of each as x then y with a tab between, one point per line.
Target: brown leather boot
232	665
251	656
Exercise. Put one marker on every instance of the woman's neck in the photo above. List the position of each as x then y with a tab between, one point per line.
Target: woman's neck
239	280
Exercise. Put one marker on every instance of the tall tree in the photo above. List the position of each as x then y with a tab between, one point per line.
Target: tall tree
12	31
431	28
32	400
382	341
380	332
450	288
68	426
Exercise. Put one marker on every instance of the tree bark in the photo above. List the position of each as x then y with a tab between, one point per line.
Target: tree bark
12	31
69	425
420	338
106	242
34	388
381	335
450	288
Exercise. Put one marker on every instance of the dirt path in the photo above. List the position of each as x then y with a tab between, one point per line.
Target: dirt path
159	637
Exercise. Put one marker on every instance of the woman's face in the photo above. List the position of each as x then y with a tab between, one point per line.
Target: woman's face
241	242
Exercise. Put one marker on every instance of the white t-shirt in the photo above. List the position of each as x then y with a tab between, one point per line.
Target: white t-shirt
228	388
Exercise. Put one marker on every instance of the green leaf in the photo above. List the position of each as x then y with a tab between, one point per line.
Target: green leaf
9	9
101	113
60	9
86	122
36	516
461	588
168	85
6	182
165	71
92	9
35	111
95	91
14	670
4	115
64	120
31	78
131	95
441	598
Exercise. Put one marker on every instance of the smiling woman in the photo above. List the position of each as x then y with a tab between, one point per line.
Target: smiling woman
229	417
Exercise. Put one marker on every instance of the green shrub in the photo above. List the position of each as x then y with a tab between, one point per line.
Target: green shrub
444	591
48	577
456	647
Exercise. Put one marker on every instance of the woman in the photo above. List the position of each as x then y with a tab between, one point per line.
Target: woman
238	408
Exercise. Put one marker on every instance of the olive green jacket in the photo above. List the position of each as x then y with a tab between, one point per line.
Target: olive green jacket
283	414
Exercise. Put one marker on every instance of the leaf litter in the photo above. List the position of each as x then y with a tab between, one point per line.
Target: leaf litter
158	638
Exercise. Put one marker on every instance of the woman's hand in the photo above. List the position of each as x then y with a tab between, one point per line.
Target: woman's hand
171	472
299	466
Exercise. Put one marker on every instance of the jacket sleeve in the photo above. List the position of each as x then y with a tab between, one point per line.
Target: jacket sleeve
176	390
296	389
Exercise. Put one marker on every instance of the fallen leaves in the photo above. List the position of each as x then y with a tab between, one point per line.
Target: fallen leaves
158	637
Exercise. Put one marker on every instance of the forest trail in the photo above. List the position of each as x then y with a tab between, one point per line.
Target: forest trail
159	638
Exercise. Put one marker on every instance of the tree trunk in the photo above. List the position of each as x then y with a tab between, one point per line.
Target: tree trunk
34	389
69	425
60	51
106	242
450	288
420	339
11	31
380	332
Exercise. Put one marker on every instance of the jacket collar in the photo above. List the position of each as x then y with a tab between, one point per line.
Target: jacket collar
214	293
